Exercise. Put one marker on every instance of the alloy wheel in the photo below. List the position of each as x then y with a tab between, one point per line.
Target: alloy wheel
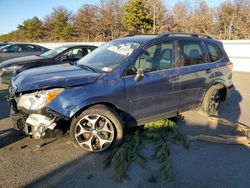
214	102
94	132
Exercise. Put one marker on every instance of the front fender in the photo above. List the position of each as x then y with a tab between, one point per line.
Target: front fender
72	100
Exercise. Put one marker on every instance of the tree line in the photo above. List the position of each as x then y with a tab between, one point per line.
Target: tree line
114	18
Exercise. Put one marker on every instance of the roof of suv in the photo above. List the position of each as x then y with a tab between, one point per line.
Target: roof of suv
147	38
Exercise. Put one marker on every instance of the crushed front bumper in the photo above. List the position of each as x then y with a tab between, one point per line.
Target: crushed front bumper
34	124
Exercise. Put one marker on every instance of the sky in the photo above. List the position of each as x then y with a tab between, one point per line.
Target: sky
14	12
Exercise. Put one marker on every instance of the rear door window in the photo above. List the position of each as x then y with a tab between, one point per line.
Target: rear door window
14	48
214	52
31	48
192	52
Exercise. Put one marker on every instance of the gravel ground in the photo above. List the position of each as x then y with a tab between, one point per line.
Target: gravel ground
59	164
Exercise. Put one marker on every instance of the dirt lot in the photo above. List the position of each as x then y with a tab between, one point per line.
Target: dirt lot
59	164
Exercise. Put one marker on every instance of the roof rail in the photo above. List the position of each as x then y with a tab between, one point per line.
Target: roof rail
129	35
134	34
186	34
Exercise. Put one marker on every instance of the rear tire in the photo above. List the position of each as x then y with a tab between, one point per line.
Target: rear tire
212	100
96	129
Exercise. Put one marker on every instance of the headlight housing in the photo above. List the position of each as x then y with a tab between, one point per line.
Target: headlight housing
13	68
37	100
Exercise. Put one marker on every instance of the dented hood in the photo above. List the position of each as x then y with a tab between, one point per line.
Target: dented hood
53	76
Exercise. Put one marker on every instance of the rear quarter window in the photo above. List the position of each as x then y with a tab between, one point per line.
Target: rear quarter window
214	52
193	52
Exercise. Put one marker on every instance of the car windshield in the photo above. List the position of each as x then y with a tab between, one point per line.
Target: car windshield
54	52
107	57
4	46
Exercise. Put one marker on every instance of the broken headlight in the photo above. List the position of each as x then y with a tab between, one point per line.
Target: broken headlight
37	100
13	68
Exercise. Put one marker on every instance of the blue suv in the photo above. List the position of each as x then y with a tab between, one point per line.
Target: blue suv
125	82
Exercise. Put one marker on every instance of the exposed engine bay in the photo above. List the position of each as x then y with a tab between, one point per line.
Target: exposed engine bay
30	114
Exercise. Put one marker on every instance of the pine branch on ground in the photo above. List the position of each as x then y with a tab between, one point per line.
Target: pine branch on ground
161	133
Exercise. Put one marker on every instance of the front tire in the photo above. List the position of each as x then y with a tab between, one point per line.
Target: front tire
96	129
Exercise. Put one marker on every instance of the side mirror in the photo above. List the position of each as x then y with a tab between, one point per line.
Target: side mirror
139	74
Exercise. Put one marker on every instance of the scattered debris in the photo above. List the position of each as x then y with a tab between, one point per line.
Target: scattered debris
46	141
226	139
24	146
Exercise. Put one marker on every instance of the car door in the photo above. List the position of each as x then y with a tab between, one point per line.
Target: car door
195	71
28	49
11	51
156	92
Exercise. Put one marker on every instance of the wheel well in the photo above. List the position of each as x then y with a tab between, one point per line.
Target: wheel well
117	110
222	88
223	91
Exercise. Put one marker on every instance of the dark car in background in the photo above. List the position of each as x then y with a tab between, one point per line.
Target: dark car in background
3	44
125	82
58	55
19	50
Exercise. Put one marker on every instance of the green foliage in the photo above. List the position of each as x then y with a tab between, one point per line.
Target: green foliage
137	17
122	157
60	23
31	29
161	133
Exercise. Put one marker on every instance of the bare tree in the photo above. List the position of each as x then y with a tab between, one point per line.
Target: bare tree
160	15
201	19
85	23
110	16
180	18
233	20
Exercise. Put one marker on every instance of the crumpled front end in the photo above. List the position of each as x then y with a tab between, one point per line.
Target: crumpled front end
30	113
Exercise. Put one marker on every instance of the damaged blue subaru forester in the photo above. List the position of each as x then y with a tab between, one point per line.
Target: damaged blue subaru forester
125	82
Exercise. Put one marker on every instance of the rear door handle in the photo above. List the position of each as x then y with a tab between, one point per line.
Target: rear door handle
174	78
208	70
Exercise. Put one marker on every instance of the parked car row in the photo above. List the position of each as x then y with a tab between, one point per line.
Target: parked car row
3	44
58	55
125	82
10	51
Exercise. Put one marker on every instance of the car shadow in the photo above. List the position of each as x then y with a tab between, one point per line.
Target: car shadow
211	164
4	108
10	136
230	109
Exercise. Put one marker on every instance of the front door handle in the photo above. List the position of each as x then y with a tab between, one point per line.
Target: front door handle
174	79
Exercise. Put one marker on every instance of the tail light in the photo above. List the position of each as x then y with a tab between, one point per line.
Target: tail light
230	65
